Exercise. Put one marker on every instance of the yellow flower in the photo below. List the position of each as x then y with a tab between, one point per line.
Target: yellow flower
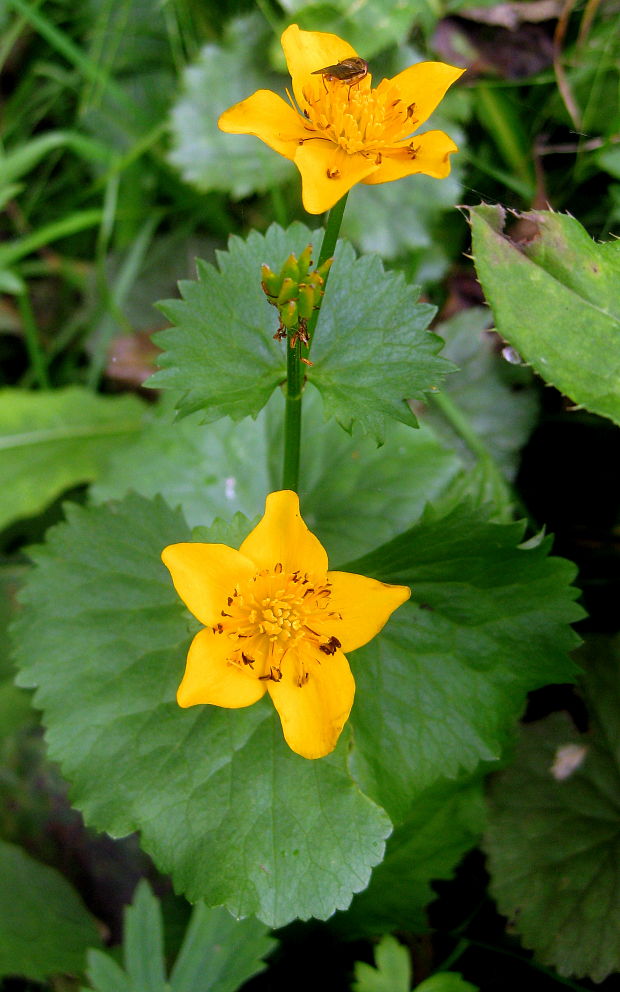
345	132
275	620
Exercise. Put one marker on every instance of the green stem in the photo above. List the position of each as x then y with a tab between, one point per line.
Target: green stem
292	415
294	374
328	247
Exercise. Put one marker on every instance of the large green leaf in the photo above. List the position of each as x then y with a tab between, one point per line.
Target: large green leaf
221	76
354	495
557	879
51	441
556	299
444	823
440	689
44	928
371	351
220	800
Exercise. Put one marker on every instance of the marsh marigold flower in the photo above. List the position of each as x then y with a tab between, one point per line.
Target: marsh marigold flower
275	620
344	132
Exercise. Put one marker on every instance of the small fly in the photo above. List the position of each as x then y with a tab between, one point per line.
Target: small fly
350	71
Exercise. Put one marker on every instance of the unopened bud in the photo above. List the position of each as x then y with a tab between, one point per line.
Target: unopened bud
289	315
290	269
288	290
270	281
325	267
305	261
306	301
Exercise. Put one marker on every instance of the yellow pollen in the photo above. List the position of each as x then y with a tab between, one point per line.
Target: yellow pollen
272	617
358	119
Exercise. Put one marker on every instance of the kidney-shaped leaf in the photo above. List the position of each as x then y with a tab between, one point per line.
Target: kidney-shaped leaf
220	800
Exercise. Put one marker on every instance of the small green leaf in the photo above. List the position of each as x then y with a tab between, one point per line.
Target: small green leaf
219	954
221	354
44	928
556	299
439	690
444	823
220	77
392	971
446	981
143	942
104	974
554	831
52	441
221	802
371	351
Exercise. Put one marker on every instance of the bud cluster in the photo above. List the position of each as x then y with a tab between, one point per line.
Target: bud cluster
296	292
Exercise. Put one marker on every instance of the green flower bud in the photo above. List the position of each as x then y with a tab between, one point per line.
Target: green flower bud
290	269
306	301
270	282
305	261
325	267
288	290
289	315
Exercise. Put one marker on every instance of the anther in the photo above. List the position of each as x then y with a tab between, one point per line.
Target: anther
333	173
331	647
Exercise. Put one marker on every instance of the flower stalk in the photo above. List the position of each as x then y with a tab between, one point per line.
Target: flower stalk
294	373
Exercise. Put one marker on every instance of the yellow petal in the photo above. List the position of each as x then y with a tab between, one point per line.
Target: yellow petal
313	715
328	172
205	575
425	85
209	678
268	117
432	158
282	537
306	51
365	604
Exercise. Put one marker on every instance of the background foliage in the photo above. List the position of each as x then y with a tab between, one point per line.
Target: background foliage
113	179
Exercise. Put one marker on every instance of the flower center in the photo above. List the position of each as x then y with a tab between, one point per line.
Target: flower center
356	117
275	617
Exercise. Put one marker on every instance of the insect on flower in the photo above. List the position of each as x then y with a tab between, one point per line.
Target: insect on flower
342	131
350	71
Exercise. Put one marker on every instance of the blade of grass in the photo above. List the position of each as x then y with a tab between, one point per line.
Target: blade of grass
66	47
36	355
504	125
21	247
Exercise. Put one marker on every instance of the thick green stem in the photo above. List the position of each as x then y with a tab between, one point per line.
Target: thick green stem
292	416
328	247
294	373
